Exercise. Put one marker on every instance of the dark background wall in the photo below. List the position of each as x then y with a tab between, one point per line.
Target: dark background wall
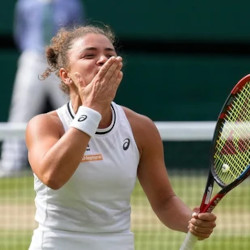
181	57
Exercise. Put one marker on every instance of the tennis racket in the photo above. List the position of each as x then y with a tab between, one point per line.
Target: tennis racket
230	155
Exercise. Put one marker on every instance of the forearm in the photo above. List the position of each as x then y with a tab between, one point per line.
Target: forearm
59	163
174	214
54	154
177	216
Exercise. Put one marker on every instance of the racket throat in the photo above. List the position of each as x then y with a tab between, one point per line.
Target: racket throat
213	203
206	197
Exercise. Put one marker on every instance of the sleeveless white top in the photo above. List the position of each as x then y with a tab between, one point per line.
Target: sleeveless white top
92	210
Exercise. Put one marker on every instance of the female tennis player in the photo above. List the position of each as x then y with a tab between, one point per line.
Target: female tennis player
87	154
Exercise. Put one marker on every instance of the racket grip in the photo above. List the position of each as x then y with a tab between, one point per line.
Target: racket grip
189	242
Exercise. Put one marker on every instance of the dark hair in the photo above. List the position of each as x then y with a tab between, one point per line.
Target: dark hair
56	52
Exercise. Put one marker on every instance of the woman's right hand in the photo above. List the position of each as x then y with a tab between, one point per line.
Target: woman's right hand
101	91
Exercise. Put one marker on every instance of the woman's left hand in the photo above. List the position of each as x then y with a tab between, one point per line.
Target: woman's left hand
202	224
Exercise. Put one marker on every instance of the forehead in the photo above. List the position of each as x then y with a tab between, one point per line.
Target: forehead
90	40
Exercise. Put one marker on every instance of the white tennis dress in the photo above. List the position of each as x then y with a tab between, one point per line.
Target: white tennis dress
92	210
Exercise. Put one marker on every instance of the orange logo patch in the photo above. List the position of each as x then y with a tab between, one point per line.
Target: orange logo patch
96	157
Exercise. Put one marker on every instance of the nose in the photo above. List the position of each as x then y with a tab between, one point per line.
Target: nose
102	59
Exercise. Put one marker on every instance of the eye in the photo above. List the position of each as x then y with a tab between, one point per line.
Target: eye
110	55
89	56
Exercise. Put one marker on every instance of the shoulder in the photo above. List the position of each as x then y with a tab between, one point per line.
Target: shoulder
48	123
137	120
144	129
50	117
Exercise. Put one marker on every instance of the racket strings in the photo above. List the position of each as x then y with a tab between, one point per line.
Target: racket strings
233	145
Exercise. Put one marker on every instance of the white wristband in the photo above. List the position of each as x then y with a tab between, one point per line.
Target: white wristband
86	120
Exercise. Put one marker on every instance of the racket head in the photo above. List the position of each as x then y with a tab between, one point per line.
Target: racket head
230	156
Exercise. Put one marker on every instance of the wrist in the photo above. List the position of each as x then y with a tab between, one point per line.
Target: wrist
86	120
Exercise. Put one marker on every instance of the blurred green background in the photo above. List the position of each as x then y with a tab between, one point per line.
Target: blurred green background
181	58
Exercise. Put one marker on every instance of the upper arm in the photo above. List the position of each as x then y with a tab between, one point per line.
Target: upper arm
152	172
41	134
54	154
153	176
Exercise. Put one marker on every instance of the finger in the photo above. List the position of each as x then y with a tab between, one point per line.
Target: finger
106	67
78	80
196	210
202	223
117	80
113	71
120	76
115	77
207	216
195	214
200	234
202	228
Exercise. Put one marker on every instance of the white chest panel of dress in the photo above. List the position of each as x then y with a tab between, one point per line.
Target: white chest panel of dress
97	197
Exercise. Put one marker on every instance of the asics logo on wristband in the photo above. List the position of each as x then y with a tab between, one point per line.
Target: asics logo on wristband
82	118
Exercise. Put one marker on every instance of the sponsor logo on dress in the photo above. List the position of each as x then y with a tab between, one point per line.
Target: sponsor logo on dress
126	144
94	157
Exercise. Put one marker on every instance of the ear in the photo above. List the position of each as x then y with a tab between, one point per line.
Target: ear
65	76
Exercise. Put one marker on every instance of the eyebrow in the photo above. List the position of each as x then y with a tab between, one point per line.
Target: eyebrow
94	48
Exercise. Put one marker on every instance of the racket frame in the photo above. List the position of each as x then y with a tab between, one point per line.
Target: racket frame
208	204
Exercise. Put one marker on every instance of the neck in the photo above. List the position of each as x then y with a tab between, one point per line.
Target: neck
106	118
106	112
